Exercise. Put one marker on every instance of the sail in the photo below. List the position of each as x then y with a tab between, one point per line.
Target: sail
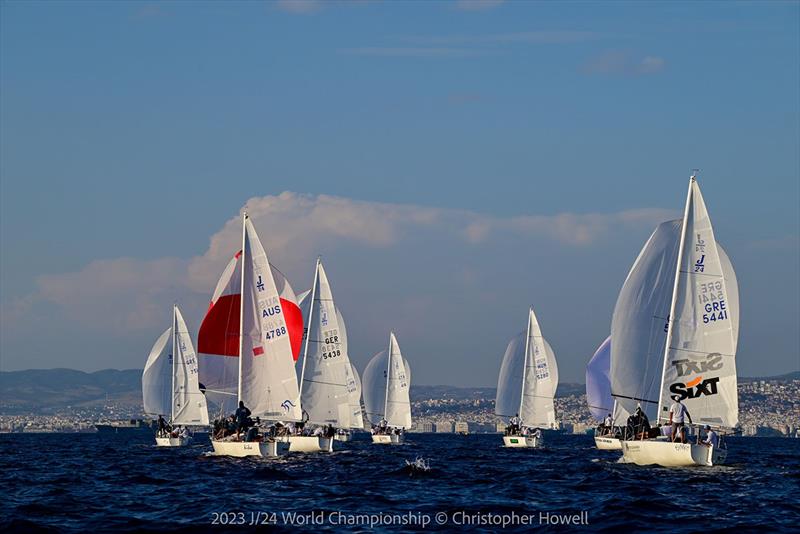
598	384
303	300
218	338
398	404
541	380
157	377
528	378
700	364
326	367
373	382
639	323
188	403
268	378
354	390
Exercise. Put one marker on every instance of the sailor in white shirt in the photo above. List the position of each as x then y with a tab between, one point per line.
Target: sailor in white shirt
677	414
608	423
712	439
513	424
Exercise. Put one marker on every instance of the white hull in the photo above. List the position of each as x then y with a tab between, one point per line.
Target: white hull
240	449
310	444
387	438
605	443
522	441
173	442
668	454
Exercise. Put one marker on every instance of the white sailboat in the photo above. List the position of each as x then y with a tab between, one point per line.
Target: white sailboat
527	385
324	394
387	383
253	347
169	382
601	403
354	391
684	274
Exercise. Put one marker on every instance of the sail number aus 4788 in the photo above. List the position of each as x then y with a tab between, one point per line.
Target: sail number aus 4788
715	311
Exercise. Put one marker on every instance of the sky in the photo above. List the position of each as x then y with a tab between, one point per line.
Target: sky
452	162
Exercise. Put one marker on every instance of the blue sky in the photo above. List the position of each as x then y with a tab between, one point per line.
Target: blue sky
131	133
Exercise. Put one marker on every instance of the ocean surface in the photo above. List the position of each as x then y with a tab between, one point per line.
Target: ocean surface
93	482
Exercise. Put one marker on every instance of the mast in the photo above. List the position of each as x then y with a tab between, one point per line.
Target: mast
388	371
525	364
308	329
174	362
241	305
671	318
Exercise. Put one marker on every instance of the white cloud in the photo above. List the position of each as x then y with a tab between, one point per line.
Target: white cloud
127	294
299	7
478	5
625	63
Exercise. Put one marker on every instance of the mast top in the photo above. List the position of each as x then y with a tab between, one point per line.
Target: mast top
693	177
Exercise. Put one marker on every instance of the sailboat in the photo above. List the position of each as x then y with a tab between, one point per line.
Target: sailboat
527	385
248	343
324	394
169	382
601	403
387	382
675	330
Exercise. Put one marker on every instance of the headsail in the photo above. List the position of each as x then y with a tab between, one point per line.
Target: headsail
700	364
268	382
157	377
188	403
354	389
324	388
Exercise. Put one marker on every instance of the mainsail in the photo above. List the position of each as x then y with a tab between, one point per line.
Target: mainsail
528	378
386	384
188	402
325	396
701	354
157	378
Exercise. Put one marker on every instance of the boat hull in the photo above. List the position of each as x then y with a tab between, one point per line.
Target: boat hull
173	442
342	437
310	444
605	443
669	454
241	449
522	441
387	439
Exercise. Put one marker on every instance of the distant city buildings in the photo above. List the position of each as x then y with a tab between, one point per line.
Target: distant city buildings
766	408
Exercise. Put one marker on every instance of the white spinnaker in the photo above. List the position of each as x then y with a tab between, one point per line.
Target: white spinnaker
701	357
268	378
509	381
639	323
398	403
354	390
157	377
598	383
541	380
189	404
373	381
325	394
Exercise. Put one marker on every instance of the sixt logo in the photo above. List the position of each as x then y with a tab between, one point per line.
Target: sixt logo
695	388
713	362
